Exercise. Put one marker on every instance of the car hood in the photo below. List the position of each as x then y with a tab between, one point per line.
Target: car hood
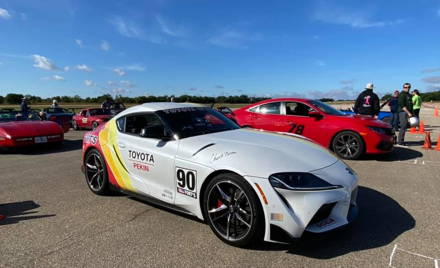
365	120
255	153
30	128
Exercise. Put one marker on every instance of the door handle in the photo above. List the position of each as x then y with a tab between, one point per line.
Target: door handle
121	145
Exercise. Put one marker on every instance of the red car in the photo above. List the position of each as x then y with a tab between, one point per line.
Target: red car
349	136
17	130
91	118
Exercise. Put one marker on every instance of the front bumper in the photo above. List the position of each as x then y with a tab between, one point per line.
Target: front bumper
379	143
294	212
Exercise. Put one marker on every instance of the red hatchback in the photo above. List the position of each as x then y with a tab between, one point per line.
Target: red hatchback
91	118
349	136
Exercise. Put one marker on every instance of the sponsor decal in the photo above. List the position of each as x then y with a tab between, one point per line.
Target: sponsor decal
186	182
218	156
91	139
167	194
142	157
182	110
141	167
84	120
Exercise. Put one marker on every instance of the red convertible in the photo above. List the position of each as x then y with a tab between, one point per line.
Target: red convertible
17	130
91	118
349	136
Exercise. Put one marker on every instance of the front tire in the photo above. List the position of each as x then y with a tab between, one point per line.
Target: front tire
233	210
95	172
75	125
348	145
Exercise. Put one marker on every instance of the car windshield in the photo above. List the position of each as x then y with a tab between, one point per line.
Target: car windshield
99	112
8	116
193	121
326	108
56	110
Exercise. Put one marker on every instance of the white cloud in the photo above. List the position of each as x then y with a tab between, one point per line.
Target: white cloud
4	14
111	83
83	67
58	77
126	84
170	29
44	63
66	68
119	71
89	83
127	28
233	39
79	42
135	67
105	46
354	18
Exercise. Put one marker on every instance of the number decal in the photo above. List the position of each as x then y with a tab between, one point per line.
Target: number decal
297	129
186	182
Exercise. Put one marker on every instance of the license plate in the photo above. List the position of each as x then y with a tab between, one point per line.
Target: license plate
40	139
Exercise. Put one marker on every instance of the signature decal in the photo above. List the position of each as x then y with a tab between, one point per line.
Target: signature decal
218	156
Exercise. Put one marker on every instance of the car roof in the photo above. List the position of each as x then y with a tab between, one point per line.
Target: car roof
157	106
276	100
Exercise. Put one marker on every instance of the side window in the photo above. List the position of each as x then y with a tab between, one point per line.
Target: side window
270	108
134	123
254	109
120	123
83	113
297	108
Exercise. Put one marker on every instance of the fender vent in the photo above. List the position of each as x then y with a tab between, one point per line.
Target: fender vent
203	148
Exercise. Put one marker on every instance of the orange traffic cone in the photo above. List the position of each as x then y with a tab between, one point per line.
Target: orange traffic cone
413	130
436	112
437	148
427	144
422	127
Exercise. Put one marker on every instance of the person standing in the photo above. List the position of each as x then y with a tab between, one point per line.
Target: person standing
367	103
417	102
54	104
24	106
394	107
107	104
405	111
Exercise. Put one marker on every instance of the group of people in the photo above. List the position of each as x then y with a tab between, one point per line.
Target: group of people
403	105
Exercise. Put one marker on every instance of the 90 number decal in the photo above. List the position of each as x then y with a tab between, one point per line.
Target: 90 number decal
186	182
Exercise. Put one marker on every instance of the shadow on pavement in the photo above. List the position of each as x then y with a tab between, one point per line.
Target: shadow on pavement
20	211
66	146
398	154
381	220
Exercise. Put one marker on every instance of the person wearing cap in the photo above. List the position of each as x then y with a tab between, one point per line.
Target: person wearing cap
405	111
367	103
54	104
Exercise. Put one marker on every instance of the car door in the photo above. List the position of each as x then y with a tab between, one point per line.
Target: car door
150	161
81	119
266	116
296	118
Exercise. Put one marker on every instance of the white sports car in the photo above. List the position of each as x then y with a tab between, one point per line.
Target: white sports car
247	185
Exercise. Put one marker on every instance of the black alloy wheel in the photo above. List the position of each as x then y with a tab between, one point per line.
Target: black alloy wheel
233	210
348	145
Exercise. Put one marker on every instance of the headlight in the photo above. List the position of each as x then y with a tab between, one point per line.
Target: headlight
300	181
379	130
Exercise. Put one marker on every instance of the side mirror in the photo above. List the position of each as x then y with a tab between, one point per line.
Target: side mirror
315	114
155	132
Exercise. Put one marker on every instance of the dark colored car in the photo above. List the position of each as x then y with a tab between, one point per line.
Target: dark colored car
61	116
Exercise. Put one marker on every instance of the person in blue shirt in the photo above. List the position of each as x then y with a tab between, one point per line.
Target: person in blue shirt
394	107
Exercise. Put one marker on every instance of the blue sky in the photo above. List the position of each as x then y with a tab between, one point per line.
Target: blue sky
218	47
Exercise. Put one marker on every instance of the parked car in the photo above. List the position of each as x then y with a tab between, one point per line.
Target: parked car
91	118
116	108
247	185
61	116
349	136
18	130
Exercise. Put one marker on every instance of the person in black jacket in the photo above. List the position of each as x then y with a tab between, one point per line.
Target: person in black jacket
367	103
405	111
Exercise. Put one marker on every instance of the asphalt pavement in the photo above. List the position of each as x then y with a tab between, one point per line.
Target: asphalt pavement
53	220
